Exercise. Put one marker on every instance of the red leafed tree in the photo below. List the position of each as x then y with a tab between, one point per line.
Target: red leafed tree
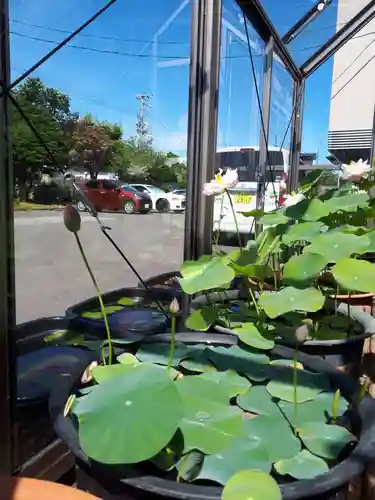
90	145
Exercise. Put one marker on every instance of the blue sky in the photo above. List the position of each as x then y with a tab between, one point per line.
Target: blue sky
152	40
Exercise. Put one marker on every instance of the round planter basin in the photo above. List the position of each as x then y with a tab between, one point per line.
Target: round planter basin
131	312
144	481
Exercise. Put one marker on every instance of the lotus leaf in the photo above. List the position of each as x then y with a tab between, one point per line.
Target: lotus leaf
291	299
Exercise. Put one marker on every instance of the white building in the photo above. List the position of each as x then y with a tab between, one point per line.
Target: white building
353	90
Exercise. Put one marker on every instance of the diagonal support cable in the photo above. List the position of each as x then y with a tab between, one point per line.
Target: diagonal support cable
60	45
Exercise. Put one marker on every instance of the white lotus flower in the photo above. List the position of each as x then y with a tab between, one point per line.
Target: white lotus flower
221	182
293	199
355	170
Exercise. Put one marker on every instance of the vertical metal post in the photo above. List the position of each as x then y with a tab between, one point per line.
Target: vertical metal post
296	136
264	128
7	289
202	127
372	151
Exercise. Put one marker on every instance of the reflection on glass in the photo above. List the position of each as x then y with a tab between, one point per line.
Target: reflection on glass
111	108
239	121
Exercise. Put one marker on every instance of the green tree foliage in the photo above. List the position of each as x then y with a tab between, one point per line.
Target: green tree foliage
49	112
81	142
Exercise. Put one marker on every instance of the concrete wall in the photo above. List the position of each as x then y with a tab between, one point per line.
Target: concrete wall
353	88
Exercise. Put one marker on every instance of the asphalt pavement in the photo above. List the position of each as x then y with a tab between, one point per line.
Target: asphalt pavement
50	275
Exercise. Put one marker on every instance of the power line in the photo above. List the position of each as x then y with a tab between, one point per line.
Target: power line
354	76
100	37
354	61
61	44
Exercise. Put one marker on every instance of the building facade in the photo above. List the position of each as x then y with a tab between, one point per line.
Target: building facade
351	125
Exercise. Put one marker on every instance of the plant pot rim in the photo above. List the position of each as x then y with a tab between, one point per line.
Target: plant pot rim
339	475
364	318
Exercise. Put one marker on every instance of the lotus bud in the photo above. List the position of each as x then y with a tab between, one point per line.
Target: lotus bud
302	333
72	218
174	306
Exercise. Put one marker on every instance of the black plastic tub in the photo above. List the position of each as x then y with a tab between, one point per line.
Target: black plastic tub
38	366
143	317
344	354
108	483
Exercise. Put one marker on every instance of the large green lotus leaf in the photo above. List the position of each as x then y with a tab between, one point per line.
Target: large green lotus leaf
228	381
242	257
97	314
114	419
315	211
65	337
251	485
202	319
304	268
317	410
206	276
304	465
286	362
252	364
274	219
254	213
304	231
275	434
158	353
126	358
310	180
128	301
309	385
249	334
349	202
209	423
325	440
258	271
327	333
103	373
355	275
291	299
244	453
370	237
258	400
198	363
192	267
336	246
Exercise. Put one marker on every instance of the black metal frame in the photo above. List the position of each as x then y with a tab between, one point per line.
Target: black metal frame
7	287
203	109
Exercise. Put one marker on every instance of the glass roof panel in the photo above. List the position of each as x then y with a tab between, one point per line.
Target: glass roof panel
284	15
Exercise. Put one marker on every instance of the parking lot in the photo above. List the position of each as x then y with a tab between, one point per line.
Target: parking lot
50	275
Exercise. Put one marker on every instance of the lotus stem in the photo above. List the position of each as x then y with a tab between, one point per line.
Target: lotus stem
295	382
173	331
102	308
335	406
235	220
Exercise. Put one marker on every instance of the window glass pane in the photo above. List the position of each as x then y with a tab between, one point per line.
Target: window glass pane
239	120
112	105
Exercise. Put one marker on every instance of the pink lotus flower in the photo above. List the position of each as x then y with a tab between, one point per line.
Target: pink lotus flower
356	170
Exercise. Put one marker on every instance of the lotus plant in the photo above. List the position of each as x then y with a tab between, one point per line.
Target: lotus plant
72	221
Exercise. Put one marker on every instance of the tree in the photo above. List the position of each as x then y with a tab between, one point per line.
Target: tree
90	145
49	112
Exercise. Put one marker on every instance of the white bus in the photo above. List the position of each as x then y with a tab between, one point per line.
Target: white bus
244	195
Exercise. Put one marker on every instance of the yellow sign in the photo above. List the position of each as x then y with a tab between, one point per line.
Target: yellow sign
243	199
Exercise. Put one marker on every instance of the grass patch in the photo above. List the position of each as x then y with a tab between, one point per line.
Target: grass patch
24	206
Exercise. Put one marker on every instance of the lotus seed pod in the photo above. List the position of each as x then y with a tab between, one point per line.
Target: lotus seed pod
302	333
72	218
174	307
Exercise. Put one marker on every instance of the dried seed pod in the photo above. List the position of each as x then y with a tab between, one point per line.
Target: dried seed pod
72	218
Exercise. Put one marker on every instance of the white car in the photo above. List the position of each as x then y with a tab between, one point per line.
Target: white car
162	201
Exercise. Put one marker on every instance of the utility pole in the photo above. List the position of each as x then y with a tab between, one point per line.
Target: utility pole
144	137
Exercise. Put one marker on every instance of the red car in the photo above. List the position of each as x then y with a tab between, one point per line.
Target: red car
114	195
